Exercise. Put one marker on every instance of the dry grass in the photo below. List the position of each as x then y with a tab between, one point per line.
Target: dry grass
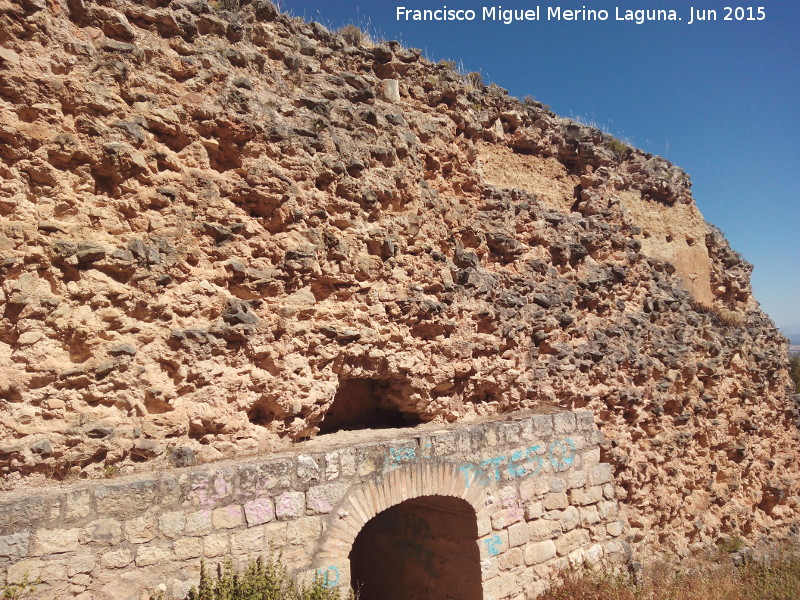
473	81
359	36
230	5
731	318
775	579
722	317
617	146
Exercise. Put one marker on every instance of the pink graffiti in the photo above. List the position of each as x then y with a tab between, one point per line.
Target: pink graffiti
210	493
509	501
322	505
259	511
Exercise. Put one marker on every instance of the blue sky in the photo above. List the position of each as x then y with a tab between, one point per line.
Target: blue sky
718	98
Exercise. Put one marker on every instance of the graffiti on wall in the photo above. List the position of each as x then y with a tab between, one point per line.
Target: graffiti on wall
397	457
522	463
208	493
329	576
493	545
510	503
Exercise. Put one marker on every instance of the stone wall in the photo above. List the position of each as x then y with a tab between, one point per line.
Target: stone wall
530	493
211	246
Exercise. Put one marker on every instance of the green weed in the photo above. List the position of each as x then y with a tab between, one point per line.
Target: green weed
260	580
18	591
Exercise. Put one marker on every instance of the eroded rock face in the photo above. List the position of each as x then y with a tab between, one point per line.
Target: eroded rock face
211	223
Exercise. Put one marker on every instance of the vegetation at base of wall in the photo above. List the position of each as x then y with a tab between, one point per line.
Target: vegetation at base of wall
777	578
260	580
19	591
794	371
731	544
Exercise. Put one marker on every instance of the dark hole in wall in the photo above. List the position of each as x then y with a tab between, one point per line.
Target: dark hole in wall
363	404
261	414
103	184
421	548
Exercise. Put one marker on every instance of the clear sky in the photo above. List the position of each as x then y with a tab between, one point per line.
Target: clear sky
719	98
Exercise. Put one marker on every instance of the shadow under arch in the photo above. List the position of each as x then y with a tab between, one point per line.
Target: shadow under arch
424	547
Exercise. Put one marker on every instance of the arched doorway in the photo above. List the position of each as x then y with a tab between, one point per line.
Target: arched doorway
421	549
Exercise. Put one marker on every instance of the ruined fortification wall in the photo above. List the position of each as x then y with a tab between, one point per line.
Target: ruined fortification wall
219	230
533	494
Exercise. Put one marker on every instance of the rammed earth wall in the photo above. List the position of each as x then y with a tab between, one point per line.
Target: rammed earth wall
523	497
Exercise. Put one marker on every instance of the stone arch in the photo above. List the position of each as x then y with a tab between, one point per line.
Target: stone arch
366	500
425	547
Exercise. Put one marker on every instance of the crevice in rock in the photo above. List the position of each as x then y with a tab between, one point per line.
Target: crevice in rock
363	404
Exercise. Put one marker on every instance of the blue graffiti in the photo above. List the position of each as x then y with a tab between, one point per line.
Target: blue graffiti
403	454
562	454
400	456
521	463
494	473
493	545
515	469
329	576
470	473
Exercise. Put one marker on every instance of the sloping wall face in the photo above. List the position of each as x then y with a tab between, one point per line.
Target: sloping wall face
671	232
524	497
